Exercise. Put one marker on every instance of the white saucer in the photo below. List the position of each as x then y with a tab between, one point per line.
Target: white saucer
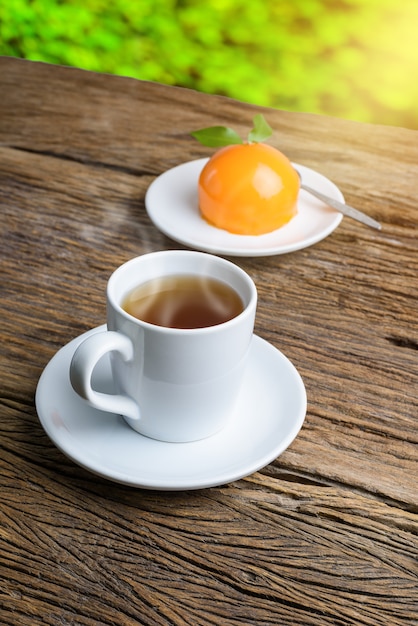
172	204
270	413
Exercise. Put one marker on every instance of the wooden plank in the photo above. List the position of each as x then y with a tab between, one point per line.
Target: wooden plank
324	535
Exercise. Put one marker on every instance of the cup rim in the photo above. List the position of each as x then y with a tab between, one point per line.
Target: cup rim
248	307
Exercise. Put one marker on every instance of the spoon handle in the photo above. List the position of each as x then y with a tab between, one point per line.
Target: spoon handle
345	209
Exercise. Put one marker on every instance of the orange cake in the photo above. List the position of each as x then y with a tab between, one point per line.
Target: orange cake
248	189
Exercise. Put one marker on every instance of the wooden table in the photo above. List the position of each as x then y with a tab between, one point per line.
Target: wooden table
325	534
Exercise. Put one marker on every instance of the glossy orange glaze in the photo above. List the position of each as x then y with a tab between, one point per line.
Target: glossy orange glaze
248	189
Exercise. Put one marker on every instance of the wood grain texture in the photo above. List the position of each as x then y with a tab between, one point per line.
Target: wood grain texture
324	535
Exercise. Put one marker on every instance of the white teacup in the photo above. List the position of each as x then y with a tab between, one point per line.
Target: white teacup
173	384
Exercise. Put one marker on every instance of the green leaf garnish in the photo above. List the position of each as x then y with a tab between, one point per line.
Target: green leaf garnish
261	130
217	136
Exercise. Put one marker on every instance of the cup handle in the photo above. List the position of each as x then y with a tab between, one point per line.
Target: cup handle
83	363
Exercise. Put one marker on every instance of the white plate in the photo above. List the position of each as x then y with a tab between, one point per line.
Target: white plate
172	204
270	412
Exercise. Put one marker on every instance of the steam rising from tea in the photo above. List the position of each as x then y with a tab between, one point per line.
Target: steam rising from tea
183	301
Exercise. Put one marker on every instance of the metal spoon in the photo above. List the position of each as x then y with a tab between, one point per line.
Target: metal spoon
345	209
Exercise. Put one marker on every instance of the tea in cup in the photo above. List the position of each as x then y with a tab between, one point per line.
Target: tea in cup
180	325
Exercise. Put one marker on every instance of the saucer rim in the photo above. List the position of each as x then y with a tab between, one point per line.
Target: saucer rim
206	244
222	477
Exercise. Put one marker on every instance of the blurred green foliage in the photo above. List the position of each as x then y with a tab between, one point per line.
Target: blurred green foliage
349	58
